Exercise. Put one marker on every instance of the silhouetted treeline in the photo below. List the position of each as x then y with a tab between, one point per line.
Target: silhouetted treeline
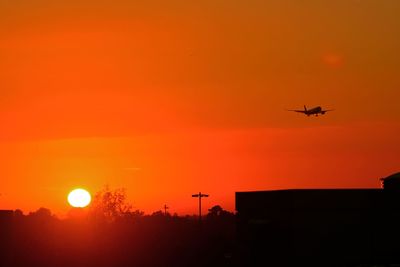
134	239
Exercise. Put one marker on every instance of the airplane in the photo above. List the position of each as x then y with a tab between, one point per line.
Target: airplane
314	111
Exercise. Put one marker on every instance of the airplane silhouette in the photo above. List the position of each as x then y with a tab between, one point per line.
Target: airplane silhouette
314	111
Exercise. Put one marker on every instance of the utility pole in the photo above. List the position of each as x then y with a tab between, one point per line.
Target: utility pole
165	209
200	196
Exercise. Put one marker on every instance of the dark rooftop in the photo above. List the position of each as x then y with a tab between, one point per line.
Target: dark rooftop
395	176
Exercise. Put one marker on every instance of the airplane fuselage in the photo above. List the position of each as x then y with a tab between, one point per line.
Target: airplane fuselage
314	111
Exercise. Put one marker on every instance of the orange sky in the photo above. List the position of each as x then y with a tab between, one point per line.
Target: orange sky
166	98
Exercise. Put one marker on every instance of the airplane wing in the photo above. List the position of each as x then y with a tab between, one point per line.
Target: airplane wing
327	110
295	110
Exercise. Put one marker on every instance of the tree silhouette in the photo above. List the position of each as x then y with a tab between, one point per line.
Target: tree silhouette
217	211
18	213
158	213
111	204
42	214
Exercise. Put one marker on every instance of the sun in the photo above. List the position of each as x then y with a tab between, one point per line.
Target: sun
79	198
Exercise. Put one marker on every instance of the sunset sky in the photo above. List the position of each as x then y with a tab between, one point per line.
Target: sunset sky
169	98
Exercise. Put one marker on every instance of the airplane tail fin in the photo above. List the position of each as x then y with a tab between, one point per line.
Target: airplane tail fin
305	108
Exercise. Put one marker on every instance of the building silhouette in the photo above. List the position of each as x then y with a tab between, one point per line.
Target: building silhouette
320	227
391	182
6	220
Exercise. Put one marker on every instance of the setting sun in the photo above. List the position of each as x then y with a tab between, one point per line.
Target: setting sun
79	198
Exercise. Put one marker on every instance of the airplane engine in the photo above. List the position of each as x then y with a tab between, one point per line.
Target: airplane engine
322	112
